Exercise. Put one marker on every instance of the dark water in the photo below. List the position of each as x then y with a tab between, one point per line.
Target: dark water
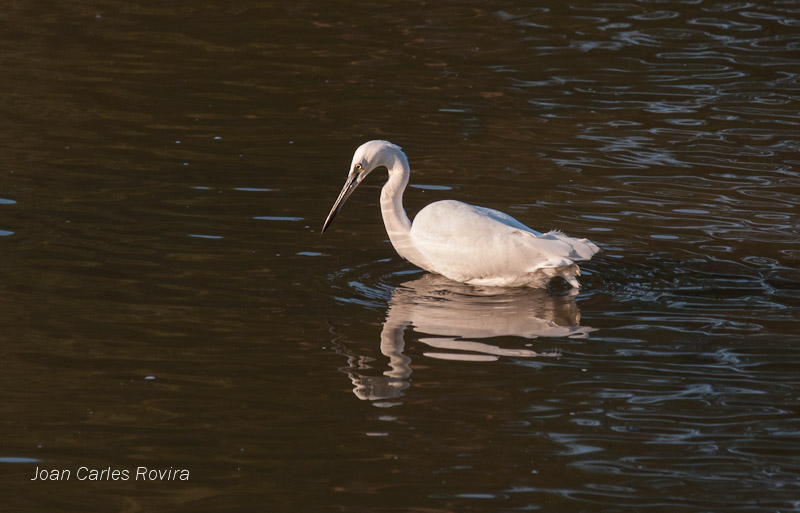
167	300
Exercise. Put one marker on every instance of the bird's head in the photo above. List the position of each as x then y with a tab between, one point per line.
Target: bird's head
368	157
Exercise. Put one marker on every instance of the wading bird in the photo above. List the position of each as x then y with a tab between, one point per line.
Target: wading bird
473	245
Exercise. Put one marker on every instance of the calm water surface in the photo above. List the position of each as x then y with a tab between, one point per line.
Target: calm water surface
167	300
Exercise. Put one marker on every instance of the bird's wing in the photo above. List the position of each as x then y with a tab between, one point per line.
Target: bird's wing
465	242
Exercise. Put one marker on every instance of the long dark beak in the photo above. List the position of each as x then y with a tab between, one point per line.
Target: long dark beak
349	186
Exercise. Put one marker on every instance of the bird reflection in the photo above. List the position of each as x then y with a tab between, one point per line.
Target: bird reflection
450	315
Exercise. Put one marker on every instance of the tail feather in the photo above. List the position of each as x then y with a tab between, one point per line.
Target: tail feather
542	275
580	249
570	274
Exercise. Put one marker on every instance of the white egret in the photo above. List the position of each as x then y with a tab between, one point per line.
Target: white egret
469	244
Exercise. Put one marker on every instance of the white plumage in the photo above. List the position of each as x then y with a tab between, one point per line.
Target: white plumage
465	243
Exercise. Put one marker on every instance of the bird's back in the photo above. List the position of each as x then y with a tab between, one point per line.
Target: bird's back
483	246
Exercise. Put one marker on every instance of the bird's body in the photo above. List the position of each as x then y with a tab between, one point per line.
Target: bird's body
481	246
465	243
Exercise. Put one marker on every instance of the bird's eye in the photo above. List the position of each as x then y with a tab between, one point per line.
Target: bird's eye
358	168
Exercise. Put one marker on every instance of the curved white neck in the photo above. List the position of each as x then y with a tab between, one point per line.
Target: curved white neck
398	226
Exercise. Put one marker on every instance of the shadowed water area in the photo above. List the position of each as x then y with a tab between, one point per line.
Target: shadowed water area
167	301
